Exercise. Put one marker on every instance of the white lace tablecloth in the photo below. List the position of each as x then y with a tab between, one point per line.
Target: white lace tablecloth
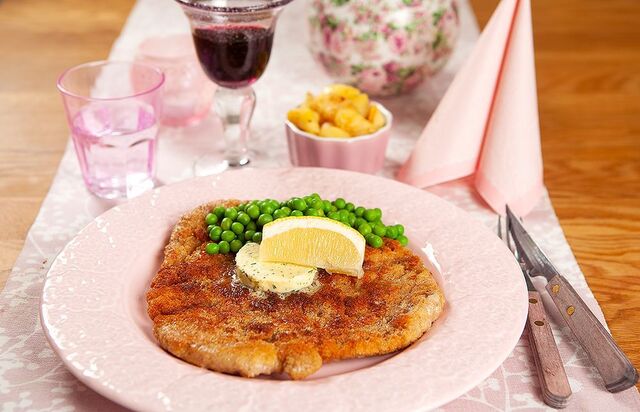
32	378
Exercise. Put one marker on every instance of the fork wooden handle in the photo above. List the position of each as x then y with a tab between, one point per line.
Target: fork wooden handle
553	378
615	368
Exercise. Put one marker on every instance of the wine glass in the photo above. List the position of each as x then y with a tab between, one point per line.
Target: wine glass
233	40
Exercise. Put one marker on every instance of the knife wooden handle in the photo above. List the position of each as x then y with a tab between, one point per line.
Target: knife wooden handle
615	368
553	378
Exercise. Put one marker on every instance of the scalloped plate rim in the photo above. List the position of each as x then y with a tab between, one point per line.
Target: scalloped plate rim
125	400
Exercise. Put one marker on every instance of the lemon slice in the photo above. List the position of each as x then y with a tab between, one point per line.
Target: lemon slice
314	241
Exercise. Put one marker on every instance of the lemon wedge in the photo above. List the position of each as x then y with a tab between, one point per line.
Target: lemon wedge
314	241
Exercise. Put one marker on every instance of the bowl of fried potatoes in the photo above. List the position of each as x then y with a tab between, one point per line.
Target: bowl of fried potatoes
339	128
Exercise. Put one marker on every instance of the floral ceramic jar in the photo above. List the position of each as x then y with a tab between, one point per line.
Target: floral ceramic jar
383	47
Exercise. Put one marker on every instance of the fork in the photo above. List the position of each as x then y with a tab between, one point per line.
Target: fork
553	378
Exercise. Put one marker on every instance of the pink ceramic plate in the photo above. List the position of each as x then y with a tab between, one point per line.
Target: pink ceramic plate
93	304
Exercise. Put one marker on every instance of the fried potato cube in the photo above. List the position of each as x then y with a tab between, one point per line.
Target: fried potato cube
361	103
330	130
342	91
326	107
305	119
375	117
353	122
308	101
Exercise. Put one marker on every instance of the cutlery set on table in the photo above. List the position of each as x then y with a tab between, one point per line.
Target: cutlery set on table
614	367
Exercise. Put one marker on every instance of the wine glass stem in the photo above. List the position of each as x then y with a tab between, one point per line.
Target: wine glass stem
235	107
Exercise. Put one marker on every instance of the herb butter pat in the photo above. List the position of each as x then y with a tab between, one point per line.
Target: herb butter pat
272	277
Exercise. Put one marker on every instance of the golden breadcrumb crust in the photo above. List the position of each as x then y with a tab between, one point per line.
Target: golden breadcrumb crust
202	316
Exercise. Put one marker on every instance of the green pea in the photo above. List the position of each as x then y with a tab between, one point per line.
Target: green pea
317	204
257	237
392	232
251	226
333	208
226	223
243	218
219	211
282	212
374	240
351	219
240	237
298	204
344	214
211	219
210	227
248	235
359	211
372	214
212	248
274	203
321	212
264	219
215	232
253	211
400	229
267	209
364	229
404	241
326	206
235	245
350	206
223	247
340	203
312	212
358	222
231	213
334	215
297	213
227	235
237	228
380	229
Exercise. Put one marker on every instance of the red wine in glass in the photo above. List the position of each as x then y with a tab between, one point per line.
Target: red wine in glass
233	56
233	40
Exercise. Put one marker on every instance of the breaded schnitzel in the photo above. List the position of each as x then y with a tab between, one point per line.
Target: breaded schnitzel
203	316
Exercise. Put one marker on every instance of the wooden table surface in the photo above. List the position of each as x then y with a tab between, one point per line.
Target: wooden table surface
588	70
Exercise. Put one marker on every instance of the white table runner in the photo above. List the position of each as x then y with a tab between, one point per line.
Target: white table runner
33	378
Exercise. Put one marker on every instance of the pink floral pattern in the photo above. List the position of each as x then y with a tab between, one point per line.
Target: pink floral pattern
384	47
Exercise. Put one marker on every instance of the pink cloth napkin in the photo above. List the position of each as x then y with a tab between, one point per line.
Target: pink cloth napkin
487	122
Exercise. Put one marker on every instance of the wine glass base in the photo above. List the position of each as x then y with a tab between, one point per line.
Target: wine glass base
215	164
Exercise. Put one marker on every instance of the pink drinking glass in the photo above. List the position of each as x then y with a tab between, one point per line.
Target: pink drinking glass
113	110
188	94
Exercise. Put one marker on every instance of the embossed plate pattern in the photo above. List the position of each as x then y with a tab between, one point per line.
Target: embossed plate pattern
93	306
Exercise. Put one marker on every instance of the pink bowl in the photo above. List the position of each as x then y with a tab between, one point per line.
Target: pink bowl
361	154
